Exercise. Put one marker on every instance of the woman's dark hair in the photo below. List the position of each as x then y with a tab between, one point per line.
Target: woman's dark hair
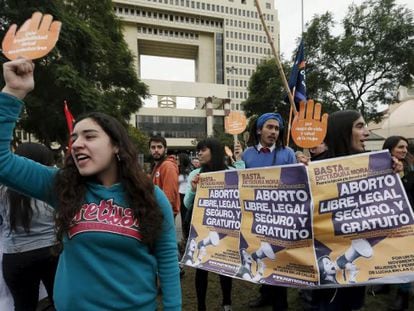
217	162
254	138
70	186
21	211
392	141
184	161
339	134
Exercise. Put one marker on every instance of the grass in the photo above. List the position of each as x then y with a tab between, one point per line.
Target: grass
244	291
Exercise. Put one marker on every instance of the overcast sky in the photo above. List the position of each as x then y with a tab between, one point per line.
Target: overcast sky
290	16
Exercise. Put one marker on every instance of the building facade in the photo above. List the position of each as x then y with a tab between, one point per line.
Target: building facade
225	39
397	120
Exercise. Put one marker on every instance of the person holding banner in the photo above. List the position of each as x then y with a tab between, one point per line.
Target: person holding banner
268	148
346	135
117	229
212	158
398	147
316	153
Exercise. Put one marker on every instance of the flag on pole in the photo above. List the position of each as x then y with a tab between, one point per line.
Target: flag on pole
69	118
69	121
297	84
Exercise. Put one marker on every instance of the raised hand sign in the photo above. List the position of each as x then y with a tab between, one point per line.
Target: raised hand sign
308	127
35	38
235	123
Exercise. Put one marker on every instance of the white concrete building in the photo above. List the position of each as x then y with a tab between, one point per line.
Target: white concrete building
225	39
398	120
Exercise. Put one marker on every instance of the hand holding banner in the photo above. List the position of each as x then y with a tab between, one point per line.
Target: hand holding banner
35	38
308	127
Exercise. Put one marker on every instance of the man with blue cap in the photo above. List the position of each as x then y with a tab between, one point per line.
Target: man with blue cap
268	148
267	143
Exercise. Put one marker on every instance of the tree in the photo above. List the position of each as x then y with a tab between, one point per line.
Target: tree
362	67
266	92
91	66
140	140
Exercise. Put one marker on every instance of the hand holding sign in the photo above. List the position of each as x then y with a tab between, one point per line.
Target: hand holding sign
308	127
35	38
18	75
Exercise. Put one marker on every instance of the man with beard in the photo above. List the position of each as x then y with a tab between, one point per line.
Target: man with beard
267	143
165	171
268	148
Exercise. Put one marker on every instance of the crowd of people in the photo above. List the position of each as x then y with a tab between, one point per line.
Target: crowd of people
99	232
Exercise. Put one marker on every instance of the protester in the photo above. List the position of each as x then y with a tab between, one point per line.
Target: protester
184	168
195	163
346	135
29	253
117	228
211	155
268	148
6	299
398	147
317	152
165	171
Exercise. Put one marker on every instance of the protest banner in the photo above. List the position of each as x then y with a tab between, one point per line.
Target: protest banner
276	232
215	227
363	223
338	222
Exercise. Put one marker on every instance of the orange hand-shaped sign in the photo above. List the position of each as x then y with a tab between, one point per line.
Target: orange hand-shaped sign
308	128
35	38
235	123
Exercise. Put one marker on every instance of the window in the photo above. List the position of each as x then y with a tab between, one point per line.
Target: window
268	5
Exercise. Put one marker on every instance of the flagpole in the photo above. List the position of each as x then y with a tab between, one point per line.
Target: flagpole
290	122
291	111
303	26
278	64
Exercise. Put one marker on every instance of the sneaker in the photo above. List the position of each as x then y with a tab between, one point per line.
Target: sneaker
227	308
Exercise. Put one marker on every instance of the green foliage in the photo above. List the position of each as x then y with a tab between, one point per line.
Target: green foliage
139	139
362	67
91	66
222	136
358	69
266	92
